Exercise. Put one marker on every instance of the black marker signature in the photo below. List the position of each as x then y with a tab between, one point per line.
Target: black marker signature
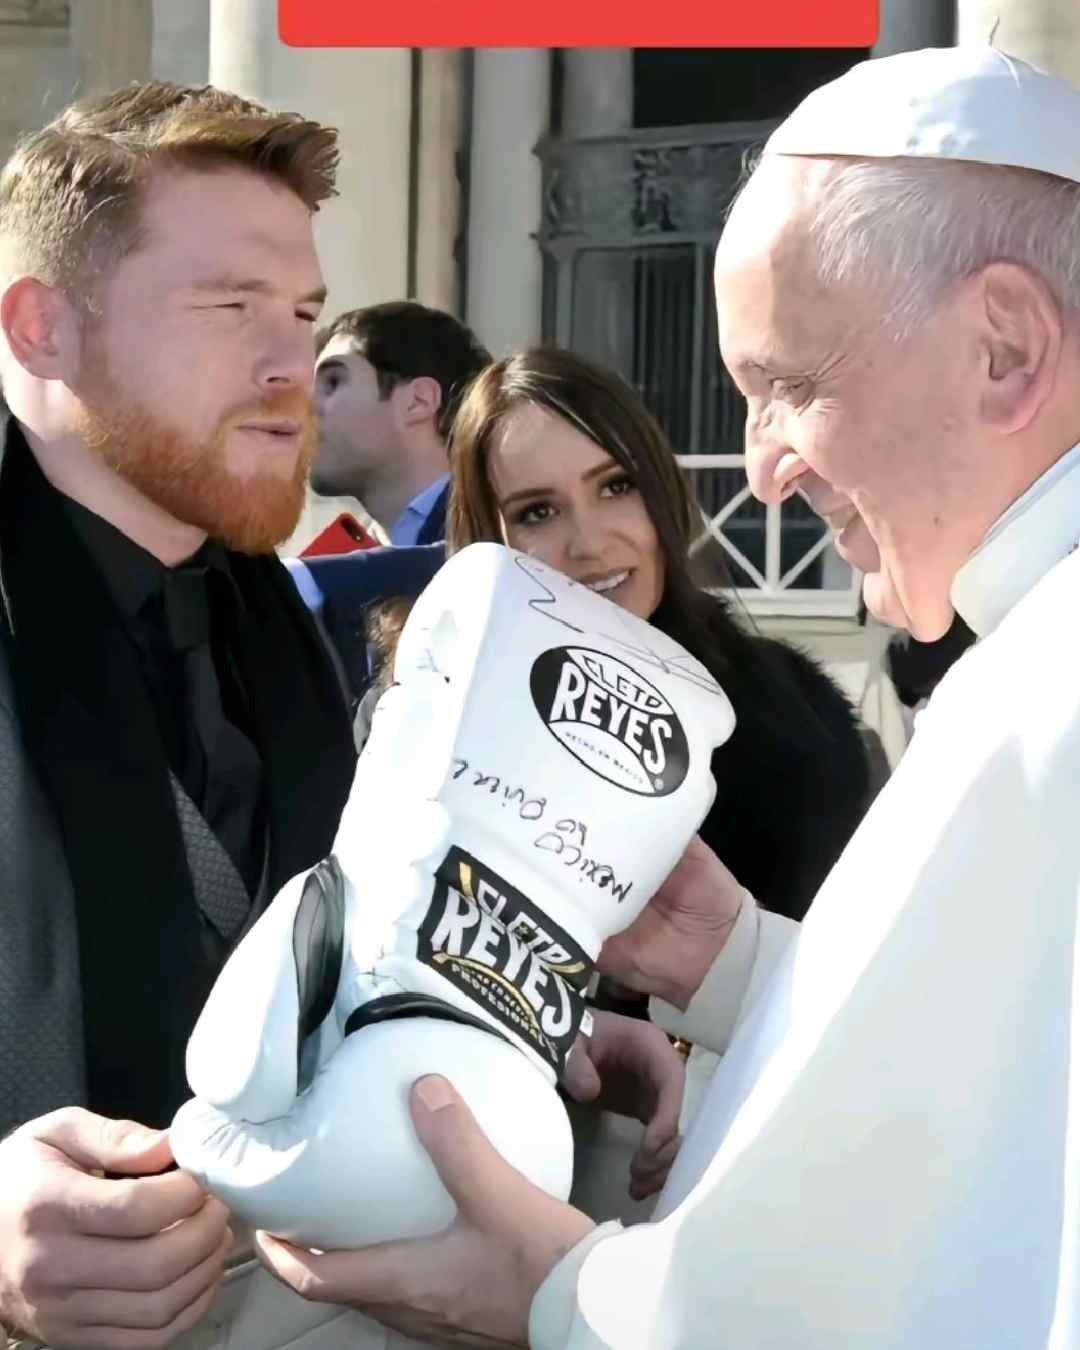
675	664
562	842
543	604
528	808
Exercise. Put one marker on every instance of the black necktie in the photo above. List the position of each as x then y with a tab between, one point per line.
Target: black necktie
222	771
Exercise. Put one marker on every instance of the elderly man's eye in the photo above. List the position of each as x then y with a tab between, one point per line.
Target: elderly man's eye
794	389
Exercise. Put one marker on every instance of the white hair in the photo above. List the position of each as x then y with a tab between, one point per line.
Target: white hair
917	226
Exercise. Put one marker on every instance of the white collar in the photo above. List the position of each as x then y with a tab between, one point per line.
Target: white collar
1036	532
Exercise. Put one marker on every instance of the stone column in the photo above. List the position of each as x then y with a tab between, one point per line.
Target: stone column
511	101
112	42
39	72
907	25
438	190
181	41
1044	32
363	234
364	92
598	91
598	100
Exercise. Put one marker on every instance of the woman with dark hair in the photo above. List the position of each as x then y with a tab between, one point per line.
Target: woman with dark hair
559	458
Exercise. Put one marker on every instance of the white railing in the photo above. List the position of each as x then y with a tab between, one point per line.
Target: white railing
773	591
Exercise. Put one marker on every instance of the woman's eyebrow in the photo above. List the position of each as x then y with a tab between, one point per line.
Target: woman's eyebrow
586	477
522	494
598	469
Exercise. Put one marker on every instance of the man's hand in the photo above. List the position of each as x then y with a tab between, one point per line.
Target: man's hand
87	1262
629	1066
670	946
472	1284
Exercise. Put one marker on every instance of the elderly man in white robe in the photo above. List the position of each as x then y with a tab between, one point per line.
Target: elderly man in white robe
888	1153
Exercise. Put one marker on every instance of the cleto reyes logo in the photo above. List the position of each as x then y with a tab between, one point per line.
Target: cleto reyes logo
611	719
502	952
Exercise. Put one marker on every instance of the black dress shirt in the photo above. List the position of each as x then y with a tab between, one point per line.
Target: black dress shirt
180	620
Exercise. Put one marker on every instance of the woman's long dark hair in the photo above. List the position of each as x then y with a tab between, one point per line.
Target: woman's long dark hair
605	408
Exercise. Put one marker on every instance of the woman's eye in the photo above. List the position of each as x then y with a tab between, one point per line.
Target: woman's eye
535	514
618	487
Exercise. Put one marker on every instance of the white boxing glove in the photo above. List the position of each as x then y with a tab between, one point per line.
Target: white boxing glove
533	774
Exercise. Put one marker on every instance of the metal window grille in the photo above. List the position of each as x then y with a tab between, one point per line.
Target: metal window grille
630	224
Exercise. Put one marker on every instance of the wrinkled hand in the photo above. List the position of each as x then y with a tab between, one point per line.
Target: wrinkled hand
629	1066
87	1262
670	946
472	1284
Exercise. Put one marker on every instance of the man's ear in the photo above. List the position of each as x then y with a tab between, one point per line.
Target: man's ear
422	399
1022	337
41	328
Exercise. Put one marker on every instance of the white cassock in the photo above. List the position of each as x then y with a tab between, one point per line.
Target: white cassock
888	1155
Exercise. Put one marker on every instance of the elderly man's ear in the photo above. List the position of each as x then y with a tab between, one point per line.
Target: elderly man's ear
1021	339
41	328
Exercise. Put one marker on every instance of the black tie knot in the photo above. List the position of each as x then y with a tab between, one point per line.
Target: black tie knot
187	606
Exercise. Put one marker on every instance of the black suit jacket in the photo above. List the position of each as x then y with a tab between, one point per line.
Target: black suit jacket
89	726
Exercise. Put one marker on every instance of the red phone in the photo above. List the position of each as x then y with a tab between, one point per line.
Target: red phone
343	535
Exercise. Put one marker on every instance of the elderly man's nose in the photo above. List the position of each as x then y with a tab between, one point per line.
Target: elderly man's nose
772	468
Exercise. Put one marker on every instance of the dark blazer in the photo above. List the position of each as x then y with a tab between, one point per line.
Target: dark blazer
87	725
352	582
41	1041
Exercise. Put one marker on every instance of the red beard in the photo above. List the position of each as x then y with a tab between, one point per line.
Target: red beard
190	480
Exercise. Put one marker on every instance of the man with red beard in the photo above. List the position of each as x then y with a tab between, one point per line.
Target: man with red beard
173	742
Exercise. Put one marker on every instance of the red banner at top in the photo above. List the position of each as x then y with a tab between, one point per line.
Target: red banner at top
579	23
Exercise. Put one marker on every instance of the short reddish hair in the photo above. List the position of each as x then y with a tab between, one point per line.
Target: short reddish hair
69	194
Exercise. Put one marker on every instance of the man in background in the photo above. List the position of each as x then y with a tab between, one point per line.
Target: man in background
389	379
